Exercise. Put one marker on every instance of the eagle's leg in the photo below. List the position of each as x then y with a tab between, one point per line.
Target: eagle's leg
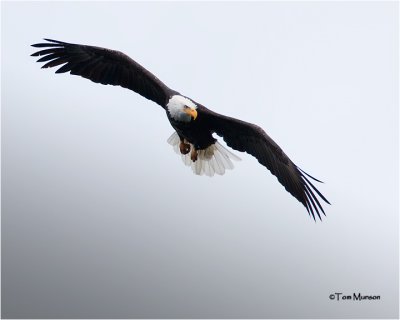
184	147
194	154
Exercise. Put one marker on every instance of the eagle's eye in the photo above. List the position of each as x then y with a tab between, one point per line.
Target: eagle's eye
185	107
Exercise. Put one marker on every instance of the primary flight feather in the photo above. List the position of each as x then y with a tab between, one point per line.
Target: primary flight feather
194	124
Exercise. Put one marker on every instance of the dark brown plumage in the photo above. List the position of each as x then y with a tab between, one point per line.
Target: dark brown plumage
103	66
250	138
115	68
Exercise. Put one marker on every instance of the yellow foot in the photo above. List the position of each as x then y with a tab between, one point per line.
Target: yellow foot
193	155
184	147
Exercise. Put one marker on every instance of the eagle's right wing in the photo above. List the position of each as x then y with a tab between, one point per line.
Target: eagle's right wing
103	66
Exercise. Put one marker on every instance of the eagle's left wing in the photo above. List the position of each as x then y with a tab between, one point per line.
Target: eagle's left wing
247	137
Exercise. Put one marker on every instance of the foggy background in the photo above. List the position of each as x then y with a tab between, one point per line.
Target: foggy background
100	217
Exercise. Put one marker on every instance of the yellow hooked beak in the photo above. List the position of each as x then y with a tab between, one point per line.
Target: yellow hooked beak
191	112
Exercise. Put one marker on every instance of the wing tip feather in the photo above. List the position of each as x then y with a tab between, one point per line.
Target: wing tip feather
310	200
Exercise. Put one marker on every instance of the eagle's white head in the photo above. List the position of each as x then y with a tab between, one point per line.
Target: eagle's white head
182	109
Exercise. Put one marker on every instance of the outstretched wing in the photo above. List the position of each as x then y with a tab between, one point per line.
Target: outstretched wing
247	137
103	66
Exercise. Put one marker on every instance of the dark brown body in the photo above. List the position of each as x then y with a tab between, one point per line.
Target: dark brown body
197	132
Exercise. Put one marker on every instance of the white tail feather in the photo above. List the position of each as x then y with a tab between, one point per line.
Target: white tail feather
213	160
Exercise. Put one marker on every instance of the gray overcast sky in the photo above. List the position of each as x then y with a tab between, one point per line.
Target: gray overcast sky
100	218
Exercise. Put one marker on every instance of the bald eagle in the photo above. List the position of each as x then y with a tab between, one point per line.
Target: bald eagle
194	124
